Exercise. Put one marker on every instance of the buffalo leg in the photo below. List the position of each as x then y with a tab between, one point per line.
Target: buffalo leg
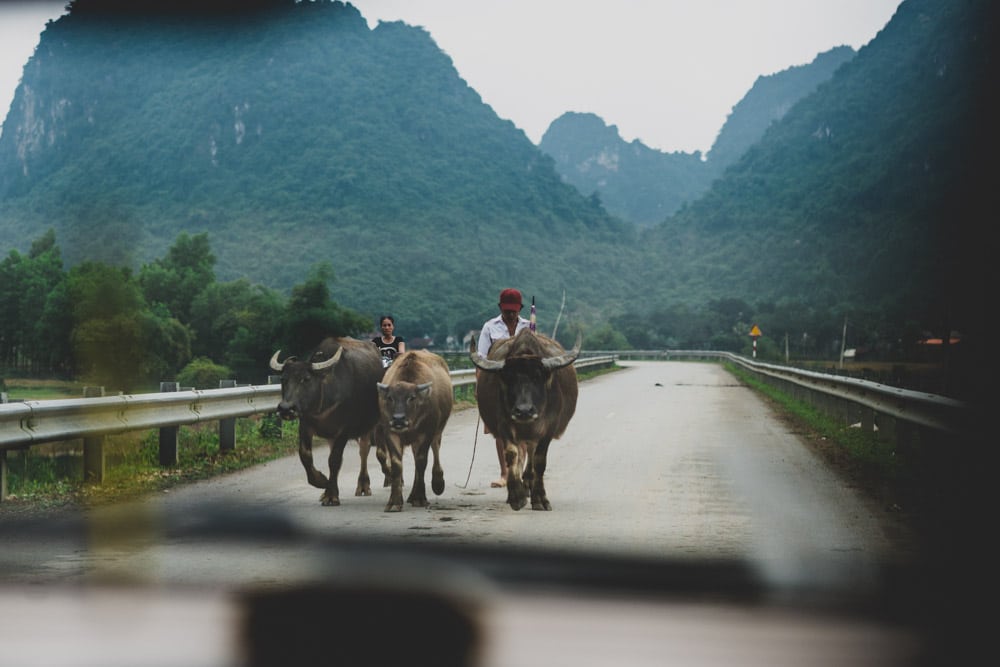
394	452
517	495
364	481
527	450
418	492
536	465
383	460
315	477
382	454
331	497
437	472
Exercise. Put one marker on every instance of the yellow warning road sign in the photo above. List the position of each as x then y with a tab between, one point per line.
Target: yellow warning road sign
755	331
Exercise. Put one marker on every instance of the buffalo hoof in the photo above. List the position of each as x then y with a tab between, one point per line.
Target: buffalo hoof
394	507
437	484
516	500
364	487
418	502
544	505
329	501
517	495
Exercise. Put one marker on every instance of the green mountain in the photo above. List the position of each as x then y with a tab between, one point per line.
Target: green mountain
644	185
870	197
635	182
770	98
293	134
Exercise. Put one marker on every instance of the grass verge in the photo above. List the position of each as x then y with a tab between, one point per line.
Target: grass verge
49	477
895	481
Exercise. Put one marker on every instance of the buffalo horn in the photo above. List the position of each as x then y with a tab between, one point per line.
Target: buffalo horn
320	365
486	364
552	363
482	362
274	362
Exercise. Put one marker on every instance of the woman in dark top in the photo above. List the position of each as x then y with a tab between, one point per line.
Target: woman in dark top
389	345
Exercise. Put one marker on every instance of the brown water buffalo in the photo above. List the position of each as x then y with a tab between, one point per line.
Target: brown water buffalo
333	396
415	400
527	395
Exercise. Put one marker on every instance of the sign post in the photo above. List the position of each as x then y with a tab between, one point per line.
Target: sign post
755	334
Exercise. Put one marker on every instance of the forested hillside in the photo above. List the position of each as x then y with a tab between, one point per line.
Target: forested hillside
770	98
292	134
635	182
870	198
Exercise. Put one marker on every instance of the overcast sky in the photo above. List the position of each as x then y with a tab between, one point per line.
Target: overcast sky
666	72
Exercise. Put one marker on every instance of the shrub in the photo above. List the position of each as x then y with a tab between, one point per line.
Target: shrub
203	373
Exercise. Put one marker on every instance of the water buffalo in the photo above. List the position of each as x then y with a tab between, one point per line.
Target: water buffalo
333	396
415	400
526	395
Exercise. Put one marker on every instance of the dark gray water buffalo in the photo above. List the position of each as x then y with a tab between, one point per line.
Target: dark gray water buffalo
527	394
415	399
333	396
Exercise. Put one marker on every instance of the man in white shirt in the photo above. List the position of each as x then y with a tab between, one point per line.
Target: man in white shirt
504	325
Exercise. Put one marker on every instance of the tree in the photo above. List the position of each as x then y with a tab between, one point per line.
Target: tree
116	339
311	316
605	338
25	283
176	279
236	323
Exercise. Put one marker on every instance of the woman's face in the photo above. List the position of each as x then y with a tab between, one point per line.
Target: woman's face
387	327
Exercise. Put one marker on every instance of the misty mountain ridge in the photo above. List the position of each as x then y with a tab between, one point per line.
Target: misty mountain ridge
644	185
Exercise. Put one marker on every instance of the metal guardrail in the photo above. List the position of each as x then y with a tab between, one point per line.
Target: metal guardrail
929	411
896	413
871	404
29	423
40	421
36	422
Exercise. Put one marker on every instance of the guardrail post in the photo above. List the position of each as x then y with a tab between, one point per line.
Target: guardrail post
227	426
3	475
3	460
168	434
93	447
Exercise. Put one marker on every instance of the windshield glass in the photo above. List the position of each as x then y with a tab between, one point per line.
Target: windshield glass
498	306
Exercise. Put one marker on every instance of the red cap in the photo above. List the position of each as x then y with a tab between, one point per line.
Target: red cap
510	299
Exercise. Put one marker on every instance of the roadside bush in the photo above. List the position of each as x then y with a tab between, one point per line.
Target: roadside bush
203	373
269	427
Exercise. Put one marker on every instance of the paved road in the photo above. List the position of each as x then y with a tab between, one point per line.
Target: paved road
667	459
